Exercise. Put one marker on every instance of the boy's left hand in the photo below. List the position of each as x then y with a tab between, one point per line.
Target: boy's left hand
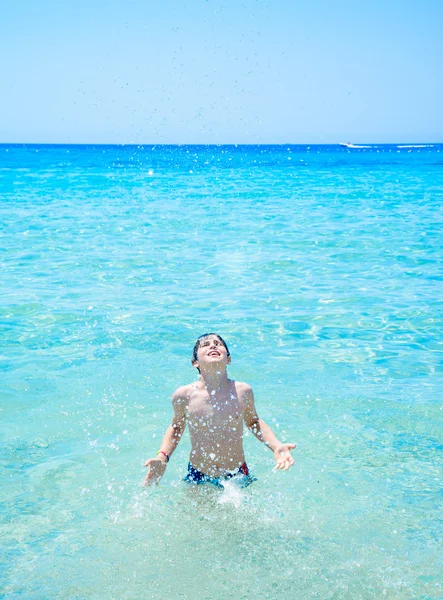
283	456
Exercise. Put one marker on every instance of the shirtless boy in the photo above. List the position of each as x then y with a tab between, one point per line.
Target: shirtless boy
215	409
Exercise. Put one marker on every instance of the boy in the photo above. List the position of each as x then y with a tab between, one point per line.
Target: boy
215	409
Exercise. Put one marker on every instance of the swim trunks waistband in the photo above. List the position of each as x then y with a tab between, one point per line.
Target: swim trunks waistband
241	476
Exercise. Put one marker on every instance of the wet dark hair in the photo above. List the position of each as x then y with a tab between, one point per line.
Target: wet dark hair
197	345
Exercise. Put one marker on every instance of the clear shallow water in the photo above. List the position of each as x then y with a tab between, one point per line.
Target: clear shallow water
321	267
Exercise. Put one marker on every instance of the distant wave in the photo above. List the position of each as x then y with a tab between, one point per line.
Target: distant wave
349	145
416	146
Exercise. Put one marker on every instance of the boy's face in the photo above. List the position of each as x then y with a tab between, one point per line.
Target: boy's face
211	350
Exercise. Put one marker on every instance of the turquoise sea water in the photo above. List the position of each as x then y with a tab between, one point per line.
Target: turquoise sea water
321	267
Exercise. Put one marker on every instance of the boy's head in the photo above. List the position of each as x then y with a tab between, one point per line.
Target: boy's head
208	345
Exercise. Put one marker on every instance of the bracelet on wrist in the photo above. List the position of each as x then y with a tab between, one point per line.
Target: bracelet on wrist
164	454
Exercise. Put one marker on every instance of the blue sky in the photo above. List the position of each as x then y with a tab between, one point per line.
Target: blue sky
216	71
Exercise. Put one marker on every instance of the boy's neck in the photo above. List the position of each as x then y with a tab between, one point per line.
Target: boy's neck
214	378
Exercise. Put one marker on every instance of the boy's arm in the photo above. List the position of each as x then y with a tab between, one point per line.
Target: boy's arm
174	432
264	433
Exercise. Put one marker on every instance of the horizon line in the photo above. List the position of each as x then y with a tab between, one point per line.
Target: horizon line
139	145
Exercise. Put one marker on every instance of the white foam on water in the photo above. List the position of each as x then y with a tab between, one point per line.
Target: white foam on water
231	494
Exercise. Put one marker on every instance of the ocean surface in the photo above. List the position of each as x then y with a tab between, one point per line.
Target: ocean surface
321	267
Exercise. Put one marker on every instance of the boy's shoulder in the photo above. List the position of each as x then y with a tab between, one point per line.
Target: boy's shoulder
183	392
242	387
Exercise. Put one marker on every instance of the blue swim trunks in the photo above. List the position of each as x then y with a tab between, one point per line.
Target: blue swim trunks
241	477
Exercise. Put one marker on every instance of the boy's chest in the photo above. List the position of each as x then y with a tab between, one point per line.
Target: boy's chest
222	410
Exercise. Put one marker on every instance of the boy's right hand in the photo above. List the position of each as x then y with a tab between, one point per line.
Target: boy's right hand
157	467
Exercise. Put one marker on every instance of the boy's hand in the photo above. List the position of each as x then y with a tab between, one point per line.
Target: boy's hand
157	467
283	456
